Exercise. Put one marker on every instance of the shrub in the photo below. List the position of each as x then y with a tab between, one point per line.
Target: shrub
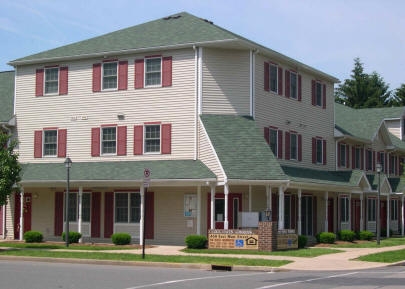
121	239
302	241
196	241
33	237
318	238
383	232
366	235
346	235
74	237
327	237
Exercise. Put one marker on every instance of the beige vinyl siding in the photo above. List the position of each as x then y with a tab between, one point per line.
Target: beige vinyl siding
394	127
207	153
82	109
10	218
43	212
302	117
226	82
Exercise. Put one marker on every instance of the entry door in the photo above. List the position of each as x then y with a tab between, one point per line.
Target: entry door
383	215
26	214
307	216
234	207
330	215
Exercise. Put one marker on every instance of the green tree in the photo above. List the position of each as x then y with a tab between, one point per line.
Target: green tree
9	167
363	90
399	97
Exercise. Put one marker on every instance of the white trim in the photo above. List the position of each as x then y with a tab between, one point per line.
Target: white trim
102	76
145	72
142	220
101	140
200	80
160	139
44	81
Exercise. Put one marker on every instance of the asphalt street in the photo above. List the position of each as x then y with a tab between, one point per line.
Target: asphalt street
40	275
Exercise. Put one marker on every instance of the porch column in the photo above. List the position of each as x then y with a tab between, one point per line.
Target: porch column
212	225
402	216
350	211
250	198
21	214
388	215
280	208
4	221
299	211
79	221
268	196
226	192
142	221
199	210
361	212
326	213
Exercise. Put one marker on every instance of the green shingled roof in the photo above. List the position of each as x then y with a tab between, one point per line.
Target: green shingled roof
241	148
397	184
6	95
117	171
363	123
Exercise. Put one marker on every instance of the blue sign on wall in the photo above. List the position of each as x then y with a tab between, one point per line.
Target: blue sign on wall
239	243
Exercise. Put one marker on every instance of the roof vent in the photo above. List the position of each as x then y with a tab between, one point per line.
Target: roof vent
210	22
172	17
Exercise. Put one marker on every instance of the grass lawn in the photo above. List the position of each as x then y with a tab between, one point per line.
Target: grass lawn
87	247
385	257
370	244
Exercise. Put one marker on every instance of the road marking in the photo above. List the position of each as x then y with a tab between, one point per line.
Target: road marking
304	281
195	279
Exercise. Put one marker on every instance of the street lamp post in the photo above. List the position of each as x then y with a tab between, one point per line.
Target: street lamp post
378	168
68	165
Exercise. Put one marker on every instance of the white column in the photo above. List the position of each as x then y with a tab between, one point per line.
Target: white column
21	214
299	211
361	212
4	221
280	208
388	215
326	213
268	198
212	207
79	221
402	216
199	210
226	192
142	220
250	198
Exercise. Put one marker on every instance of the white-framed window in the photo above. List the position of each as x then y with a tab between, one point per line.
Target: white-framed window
369	158
50	146
318	93
273	141
152	138
74	208
109	140
393	165
319	151
110	75
153	71
127	207
293	85
394	210
273	73
343	157
371	209
51	82
293	146
382	160
344	209
357	158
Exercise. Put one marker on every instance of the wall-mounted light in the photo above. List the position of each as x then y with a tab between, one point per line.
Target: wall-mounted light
121	116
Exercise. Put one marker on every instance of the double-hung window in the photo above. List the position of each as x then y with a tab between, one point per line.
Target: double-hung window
381	159
293	85
318	93
153	71
319	151
273	73
274	141
152	138
127	207
293	146
393	165
50	143
369	160
394	210
357	158
342	155
74	208
109	140
344	209
371	209
51	80
110	75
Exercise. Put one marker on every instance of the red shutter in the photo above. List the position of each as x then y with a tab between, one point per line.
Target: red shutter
324	96
353	157
62	140
324	151
39	82
314	150
166	138
38	144
149	215
287	83
108	214
122	141
95	214
267	134
138	139
123	75
313	91
139	68
58	221
299	147
299	87
280	81
338	155
266	76
95	142
96	77
280	144
287	145
167	71
63	80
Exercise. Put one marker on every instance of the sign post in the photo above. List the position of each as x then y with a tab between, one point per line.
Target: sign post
146	181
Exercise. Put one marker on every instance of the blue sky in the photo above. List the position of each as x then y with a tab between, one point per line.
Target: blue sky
326	35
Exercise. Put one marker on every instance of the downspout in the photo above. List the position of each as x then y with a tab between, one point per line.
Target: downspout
198	93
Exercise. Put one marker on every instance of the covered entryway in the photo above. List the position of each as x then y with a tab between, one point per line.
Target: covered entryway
234	207
26	214
308	209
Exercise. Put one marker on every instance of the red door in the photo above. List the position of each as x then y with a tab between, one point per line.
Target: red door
234	207
383	215
330	215
26	214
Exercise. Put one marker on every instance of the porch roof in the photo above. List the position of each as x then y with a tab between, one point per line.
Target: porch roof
168	170
241	148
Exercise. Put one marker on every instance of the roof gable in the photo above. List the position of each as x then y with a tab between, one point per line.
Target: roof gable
6	95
